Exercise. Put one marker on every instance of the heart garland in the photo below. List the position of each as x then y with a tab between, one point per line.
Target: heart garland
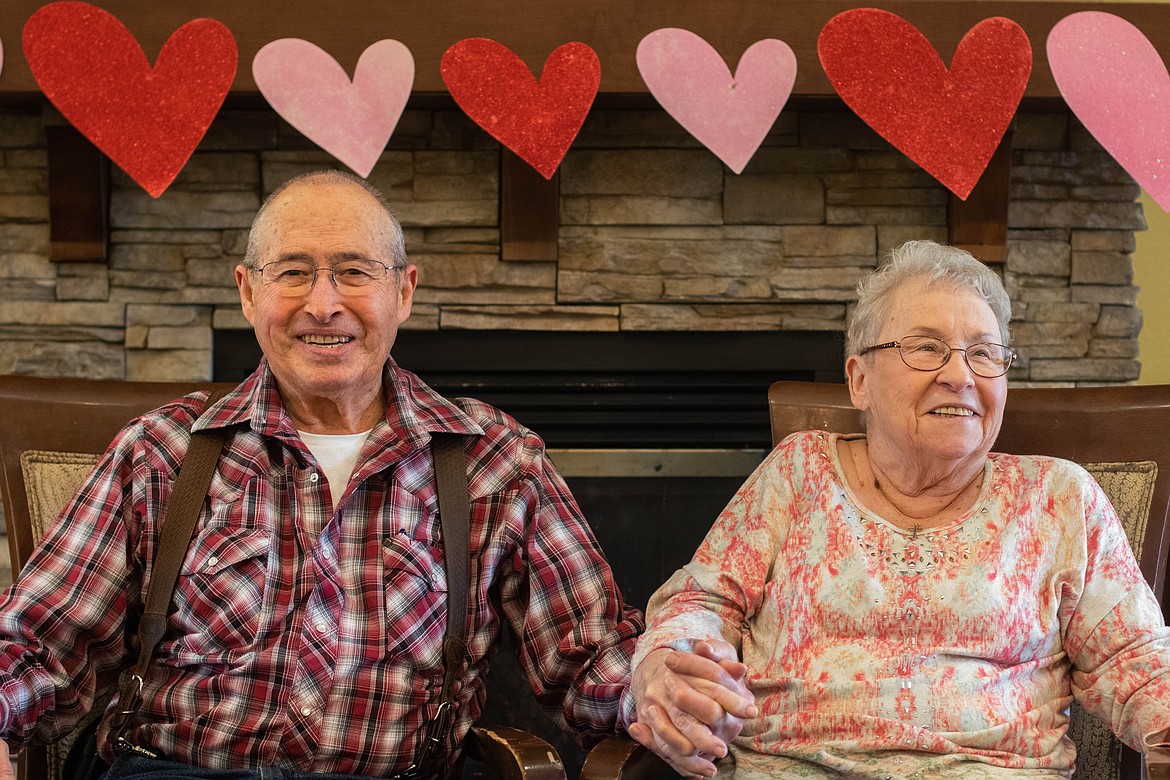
730	115
146	119
537	120
352	120
1114	81
149	120
948	121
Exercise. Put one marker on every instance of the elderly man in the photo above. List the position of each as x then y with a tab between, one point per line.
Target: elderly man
310	609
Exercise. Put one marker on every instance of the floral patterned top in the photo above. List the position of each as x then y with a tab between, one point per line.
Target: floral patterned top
949	652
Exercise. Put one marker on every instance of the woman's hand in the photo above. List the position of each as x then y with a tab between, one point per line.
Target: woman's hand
6	772
691	705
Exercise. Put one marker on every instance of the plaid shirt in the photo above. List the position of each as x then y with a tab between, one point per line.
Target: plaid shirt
306	637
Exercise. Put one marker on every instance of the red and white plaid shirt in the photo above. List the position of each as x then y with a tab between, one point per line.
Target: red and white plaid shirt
306	637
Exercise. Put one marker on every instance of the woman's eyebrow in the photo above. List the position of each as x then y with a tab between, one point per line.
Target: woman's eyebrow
926	330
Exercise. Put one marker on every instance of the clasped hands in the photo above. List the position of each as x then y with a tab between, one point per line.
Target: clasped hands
691	705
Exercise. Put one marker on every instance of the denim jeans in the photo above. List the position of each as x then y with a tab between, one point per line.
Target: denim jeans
131	766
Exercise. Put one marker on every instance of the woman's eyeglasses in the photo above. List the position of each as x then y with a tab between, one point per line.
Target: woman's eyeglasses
923	353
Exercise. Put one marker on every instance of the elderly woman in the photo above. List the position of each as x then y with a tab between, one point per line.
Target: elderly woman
907	603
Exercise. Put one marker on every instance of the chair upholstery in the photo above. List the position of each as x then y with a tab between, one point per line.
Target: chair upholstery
52	432
1121	435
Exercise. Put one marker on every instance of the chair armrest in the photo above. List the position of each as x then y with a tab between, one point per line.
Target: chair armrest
620	758
1157	761
514	755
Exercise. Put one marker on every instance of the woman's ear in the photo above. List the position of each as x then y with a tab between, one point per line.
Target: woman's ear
857	377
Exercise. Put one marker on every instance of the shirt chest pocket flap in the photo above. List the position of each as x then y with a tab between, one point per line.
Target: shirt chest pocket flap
223	582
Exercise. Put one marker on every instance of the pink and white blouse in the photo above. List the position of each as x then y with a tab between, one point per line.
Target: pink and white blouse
949	652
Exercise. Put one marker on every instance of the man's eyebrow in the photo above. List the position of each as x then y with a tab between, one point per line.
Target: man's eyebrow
335	257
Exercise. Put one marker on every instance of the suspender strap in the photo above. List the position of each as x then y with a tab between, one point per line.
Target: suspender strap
454	515
178	526
451	485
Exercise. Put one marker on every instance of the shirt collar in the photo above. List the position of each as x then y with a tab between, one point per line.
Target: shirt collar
413	410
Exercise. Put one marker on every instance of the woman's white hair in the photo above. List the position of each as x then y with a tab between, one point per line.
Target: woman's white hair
939	265
389	232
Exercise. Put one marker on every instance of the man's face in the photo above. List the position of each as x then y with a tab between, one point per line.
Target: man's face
326	348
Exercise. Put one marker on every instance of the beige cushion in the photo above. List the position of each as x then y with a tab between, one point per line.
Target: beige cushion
51	479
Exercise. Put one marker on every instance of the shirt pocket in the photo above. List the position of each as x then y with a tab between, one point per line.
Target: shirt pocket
415	589
220	594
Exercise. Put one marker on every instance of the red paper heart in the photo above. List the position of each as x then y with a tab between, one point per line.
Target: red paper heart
147	120
949	122
536	120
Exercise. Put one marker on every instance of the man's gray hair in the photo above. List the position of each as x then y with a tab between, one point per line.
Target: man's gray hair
389	233
938	265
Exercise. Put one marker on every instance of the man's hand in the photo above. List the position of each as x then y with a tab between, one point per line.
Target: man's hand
691	705
6	772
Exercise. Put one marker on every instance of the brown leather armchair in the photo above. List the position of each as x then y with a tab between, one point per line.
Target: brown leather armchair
51	434
1120	434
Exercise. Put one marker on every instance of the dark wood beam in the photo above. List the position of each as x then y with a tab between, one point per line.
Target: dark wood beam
533	28
529	211
979	223
79	186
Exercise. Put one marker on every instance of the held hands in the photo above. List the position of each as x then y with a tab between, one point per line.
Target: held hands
691	705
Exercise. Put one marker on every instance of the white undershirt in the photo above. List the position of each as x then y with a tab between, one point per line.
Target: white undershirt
336	454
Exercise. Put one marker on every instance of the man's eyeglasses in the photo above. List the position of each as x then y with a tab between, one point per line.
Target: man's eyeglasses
293	278
923	353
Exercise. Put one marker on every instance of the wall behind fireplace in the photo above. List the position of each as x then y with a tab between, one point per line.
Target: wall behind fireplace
656	234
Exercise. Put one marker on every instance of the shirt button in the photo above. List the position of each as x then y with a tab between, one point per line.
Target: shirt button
322	628
306	711
212	561
313	478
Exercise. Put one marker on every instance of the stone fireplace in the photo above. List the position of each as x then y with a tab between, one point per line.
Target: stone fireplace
655	235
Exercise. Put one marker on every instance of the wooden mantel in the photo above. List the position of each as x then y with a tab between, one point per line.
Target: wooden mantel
533	28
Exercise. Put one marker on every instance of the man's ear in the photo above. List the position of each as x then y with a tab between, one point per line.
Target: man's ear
406	287
857	377
244	283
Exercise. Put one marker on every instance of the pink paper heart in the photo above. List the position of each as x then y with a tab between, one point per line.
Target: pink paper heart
352	120
1114	81
730	115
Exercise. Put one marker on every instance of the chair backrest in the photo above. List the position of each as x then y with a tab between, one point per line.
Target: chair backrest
52	431
1121	435
81	416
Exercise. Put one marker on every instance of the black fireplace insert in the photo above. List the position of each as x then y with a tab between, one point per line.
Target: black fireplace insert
606	389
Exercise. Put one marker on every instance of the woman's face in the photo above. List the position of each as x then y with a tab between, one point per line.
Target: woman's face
941	418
